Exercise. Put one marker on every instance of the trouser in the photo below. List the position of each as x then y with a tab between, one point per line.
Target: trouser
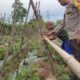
67	46
76	48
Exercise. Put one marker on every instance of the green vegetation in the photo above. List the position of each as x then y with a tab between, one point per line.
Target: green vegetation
25	72
22	40
21	12
2	53
32	42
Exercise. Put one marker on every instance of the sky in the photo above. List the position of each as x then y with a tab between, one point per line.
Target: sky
50	9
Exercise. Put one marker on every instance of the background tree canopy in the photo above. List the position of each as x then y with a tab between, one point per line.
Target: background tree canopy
21	12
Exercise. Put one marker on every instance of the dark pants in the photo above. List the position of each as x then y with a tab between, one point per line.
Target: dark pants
76	48
67	46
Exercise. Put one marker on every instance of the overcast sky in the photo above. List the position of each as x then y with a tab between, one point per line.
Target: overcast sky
48	7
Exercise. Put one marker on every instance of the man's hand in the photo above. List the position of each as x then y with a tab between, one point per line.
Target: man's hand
51	35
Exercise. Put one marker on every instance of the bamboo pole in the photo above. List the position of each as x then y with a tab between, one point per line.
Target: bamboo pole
70	60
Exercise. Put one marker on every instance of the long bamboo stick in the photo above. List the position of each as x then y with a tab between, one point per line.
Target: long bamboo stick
70	60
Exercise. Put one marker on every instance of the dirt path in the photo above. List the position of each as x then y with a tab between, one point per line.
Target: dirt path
45	70
51	77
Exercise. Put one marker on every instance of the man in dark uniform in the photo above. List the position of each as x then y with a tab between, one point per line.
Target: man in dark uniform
62	35
71	23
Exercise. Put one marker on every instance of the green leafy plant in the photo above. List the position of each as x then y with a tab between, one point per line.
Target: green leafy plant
2	50
16	47
27	73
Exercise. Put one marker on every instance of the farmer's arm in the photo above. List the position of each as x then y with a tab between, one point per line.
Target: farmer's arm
57	29
54	33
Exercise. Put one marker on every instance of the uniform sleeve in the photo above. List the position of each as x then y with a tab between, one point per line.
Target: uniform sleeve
58	28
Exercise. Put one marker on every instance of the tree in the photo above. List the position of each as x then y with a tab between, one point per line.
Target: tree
21	12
